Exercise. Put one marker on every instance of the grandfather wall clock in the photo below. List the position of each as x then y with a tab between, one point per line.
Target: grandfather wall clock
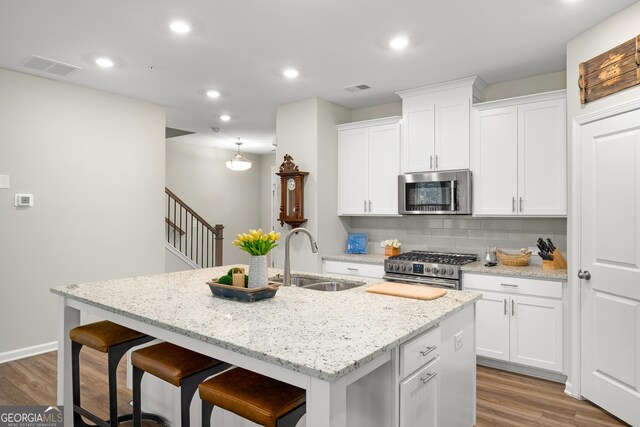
291	193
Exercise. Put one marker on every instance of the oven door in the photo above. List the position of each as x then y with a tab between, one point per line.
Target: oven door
422	280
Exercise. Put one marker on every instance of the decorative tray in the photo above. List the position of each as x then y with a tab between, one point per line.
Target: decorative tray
236	293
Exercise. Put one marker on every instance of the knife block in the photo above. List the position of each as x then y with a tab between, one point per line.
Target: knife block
558	263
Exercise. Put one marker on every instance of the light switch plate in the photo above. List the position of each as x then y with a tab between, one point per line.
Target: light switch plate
4	181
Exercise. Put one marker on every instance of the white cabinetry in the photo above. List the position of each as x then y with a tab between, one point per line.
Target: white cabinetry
519	156
375	271
419	368
519	320
436	125
368	167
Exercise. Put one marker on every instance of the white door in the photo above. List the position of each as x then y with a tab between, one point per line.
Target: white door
536	332
610	253
353	172
492	326
542	158
452	135
384	167
418	137
496	151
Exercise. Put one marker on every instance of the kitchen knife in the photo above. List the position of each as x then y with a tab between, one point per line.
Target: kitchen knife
551	245
544	246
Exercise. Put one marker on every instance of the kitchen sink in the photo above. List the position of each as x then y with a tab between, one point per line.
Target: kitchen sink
318	283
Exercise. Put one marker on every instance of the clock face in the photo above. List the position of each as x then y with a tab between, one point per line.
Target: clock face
291	184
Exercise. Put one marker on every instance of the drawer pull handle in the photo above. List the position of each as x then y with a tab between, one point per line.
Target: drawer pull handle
352	269
428	350
513	308
505	306
508	285
428	378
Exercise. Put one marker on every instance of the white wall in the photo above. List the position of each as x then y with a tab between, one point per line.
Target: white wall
95	164
267	161
307	131
198	176
526	86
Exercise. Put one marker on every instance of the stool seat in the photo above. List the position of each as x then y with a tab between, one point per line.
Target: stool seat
170	362
102	335
252	396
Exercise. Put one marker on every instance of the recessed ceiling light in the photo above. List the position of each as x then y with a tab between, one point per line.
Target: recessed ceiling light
399	43
180	27
104	62
225	117
290	73
213	94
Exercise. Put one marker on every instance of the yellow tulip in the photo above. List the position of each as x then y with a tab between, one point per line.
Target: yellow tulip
236	243
277	236
260	232
264	237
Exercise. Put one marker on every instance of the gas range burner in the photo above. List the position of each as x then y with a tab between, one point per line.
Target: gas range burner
427	268
436	257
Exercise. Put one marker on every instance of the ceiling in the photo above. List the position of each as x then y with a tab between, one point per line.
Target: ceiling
241	47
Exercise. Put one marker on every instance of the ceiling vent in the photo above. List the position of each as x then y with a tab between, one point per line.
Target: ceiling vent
51	66
357	88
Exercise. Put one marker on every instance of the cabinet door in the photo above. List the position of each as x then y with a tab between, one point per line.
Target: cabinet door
452	135
384	167
419	397
353	172
496	153
536	332
542	169
492	326
418	136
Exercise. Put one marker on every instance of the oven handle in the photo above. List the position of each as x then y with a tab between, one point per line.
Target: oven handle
454	184
428	281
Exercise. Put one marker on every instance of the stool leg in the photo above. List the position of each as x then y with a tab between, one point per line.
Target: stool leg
75	379
137	404
189	387
207	409
291	419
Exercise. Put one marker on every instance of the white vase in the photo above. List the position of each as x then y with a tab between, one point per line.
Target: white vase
258	272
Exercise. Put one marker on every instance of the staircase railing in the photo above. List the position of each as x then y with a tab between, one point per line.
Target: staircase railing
190	234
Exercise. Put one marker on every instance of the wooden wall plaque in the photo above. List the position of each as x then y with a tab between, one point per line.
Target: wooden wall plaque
610	72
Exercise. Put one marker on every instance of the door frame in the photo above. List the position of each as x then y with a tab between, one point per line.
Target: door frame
573	384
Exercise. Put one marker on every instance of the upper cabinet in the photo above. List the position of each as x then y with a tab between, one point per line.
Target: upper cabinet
435	125
368	167
519	156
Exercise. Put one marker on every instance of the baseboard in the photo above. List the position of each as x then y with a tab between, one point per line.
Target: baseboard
520	369
21	353
182	257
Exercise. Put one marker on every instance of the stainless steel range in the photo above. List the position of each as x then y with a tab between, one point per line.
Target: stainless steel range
427	268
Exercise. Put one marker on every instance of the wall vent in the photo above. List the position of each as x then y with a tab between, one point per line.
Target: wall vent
51	66
357	88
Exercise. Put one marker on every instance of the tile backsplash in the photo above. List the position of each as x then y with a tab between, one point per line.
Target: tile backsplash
449	233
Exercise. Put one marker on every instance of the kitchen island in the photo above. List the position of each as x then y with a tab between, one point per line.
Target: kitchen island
350	350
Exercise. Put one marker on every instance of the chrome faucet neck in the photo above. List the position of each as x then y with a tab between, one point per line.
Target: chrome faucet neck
287	260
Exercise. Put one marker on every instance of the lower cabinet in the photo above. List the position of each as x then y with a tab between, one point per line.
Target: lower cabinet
419	397
375	271
418	389
519	320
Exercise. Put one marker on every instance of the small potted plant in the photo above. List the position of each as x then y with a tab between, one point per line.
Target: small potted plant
258	245
392	247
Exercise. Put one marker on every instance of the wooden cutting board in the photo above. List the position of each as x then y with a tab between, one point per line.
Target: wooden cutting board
407	291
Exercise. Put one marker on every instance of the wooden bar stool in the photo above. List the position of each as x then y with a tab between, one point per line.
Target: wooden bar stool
257	398
115	340
176	365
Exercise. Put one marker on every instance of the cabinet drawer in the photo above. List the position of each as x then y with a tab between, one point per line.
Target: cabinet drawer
514	285
419	397
419	351
354	269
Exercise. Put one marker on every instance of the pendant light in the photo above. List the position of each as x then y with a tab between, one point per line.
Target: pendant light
239	162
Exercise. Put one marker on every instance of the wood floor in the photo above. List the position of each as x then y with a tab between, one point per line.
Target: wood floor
504	398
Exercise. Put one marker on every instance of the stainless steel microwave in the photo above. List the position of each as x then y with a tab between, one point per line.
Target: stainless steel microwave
433	193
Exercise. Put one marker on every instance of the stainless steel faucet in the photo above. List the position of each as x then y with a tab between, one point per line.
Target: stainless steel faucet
287	260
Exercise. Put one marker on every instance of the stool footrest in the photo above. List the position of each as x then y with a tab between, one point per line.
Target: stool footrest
107	423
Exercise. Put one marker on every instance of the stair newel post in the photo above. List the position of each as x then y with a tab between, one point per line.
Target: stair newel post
219	238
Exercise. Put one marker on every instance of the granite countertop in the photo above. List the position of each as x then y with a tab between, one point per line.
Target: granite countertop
377	259
322	334
533	271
